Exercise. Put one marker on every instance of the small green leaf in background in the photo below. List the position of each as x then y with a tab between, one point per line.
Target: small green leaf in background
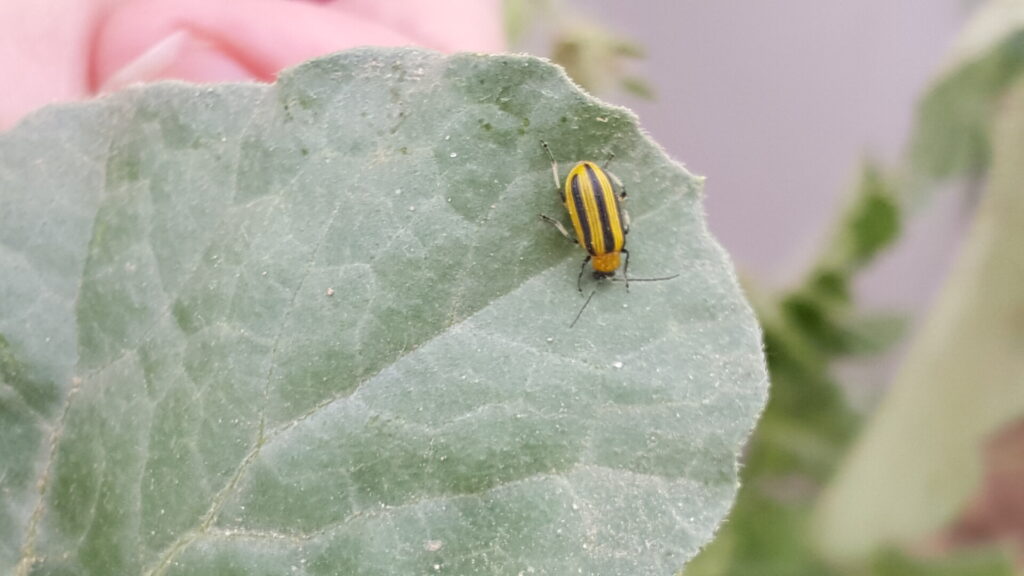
593	55
967	563
952	133
318	328
638	86
963	379
519	14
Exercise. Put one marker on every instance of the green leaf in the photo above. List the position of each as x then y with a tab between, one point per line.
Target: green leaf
518	15
317	327
638	87
869	224
954	123
962	380
594	56
981	562
870	334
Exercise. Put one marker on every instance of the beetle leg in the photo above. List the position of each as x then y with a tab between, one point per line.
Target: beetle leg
622	187
579	279
558	225
554	171
611	156
625	268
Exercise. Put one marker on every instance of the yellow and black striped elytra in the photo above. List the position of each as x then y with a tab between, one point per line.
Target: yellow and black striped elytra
593	198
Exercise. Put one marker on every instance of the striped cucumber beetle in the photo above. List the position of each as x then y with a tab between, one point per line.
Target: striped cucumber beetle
593	197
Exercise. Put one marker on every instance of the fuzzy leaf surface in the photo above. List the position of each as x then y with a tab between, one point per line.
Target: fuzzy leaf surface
317	327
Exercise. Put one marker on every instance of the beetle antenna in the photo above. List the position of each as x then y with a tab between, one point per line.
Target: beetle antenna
633	279
584	307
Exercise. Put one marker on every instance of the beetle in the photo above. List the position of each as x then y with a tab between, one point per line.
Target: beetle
599	220
597	215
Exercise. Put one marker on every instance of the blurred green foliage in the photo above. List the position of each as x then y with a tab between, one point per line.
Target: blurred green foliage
966	563
918	464
593	55
808	428
952	135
